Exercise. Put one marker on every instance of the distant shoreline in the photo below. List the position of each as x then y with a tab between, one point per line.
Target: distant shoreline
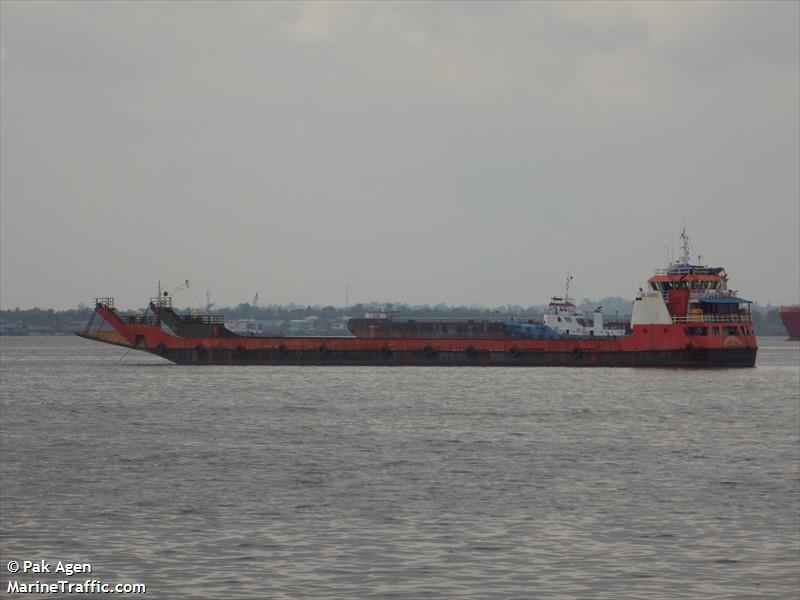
330	320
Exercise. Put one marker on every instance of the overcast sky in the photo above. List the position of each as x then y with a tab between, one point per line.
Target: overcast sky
467	153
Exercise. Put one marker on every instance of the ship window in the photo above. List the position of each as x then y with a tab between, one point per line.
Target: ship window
695	330
744	330
715	330
653	285
731	330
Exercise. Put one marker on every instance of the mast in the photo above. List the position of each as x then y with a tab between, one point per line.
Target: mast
684	260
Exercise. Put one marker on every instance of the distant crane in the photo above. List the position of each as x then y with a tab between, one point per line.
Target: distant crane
209	303
255	301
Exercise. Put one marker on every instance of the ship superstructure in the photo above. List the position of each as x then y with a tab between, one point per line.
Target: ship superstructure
693	295
563	317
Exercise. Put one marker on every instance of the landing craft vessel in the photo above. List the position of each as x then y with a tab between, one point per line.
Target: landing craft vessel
687	317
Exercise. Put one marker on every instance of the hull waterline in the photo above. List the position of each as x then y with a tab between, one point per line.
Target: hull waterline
700	358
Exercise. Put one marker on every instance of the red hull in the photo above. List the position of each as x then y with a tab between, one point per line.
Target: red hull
790	316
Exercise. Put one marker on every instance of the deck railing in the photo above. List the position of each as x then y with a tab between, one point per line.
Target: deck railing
707	318
700	295
203	319
162	301
141	320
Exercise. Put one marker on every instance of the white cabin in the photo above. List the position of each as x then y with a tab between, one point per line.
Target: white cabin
562	316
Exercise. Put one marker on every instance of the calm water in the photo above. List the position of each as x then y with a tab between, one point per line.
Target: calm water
317	482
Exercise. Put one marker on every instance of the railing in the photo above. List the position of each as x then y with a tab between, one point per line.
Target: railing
107	302
703	294
731	318
139	320
165	301
699	294
203	319
680	269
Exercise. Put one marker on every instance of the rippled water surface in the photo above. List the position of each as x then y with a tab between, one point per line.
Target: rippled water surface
336	482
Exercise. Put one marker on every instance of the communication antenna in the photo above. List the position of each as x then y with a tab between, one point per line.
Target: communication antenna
684	214
685	259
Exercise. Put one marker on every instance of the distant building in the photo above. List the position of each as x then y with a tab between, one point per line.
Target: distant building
13	328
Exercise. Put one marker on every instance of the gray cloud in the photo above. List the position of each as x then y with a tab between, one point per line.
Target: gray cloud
426	152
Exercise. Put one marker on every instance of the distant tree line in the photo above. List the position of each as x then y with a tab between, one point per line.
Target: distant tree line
62	322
